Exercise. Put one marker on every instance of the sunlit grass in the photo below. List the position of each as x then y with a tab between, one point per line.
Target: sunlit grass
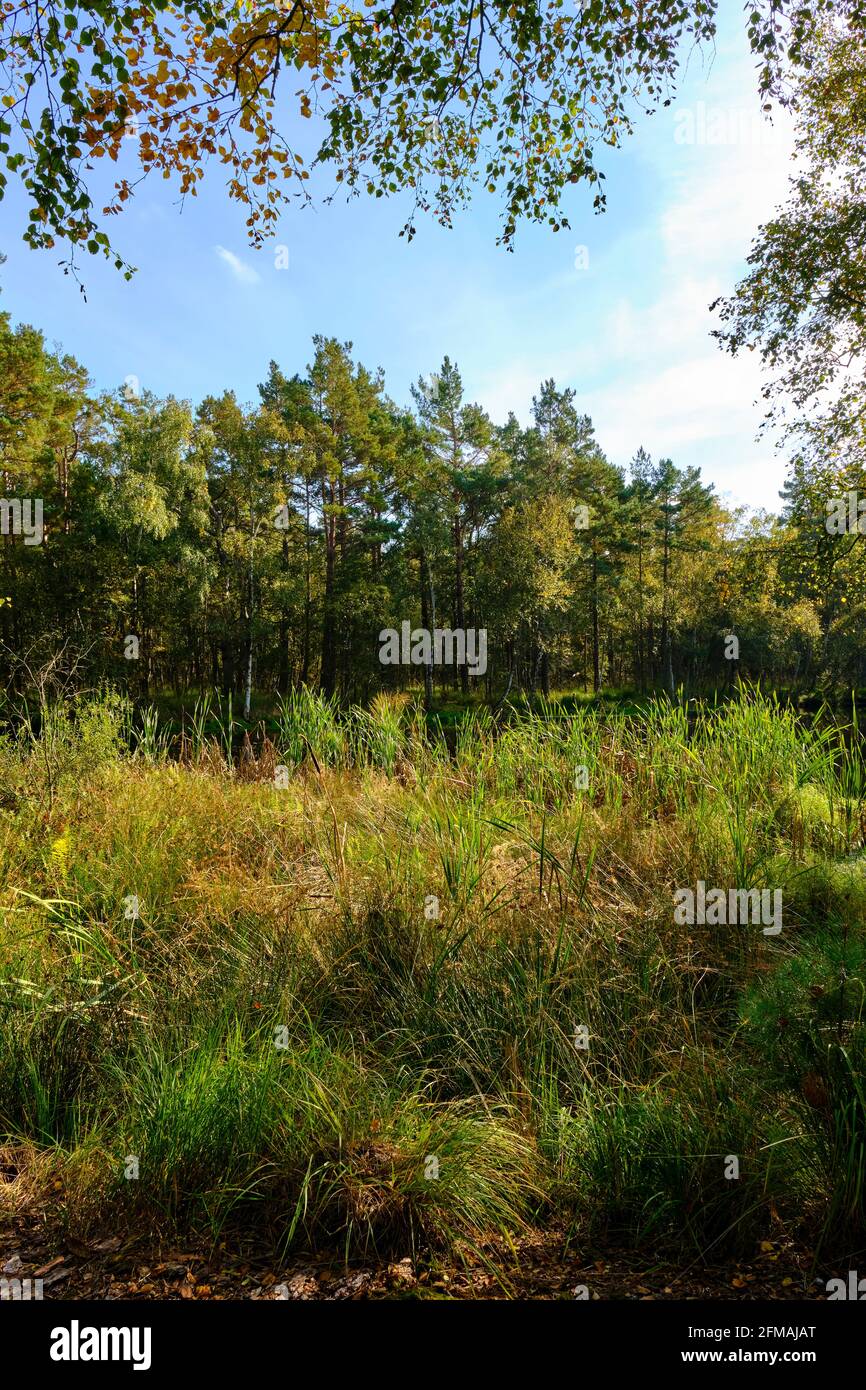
386	958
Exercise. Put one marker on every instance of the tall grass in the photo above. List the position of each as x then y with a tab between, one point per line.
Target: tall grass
428	995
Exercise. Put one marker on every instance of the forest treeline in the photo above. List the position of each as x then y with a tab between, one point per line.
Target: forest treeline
267	545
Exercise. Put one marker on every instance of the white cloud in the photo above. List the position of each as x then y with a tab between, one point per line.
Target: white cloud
658	378
718	199
707	398
243	273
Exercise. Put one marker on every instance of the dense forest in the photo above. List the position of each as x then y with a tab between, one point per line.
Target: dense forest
265	546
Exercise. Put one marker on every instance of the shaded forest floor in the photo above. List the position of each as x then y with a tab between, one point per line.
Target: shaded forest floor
541	1267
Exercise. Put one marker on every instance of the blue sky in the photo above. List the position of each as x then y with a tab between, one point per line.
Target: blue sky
629	331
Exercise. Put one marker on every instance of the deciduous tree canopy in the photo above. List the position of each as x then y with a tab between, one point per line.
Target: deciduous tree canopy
429	97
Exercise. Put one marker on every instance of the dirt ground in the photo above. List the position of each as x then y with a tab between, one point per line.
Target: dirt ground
540	1268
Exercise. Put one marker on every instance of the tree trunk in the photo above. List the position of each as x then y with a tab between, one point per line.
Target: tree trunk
328	675
641	672
428	621
667	653
248	682
459	607
596	656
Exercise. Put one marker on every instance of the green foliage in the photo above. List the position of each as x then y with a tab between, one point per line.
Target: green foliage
266	549
802	300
